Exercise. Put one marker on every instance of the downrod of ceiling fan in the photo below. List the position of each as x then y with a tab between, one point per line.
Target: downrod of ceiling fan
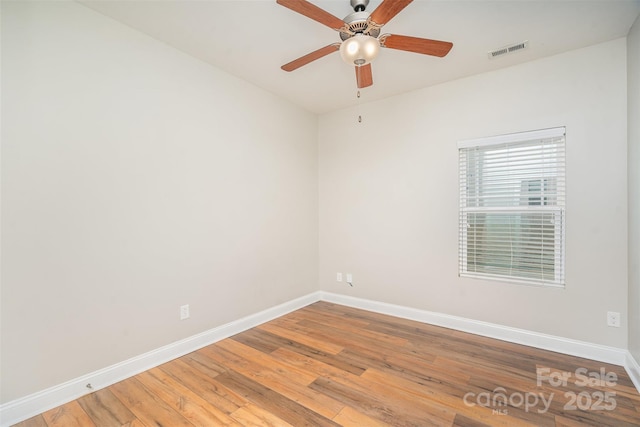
359	5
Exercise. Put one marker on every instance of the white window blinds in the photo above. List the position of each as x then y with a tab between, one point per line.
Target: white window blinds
512	207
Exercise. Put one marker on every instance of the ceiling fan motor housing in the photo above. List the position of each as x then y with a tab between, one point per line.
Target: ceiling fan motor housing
357	23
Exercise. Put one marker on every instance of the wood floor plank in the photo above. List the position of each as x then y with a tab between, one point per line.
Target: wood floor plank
318	367
378	321
589	418
37	421
473	356
204	386
349	417
330	359
453	403
373	401
285	385
598	418
68	415
404	365
203	364
283	368
351	333
317	312
462	421
183	400
409	329
457	365
624	406
301	338
350	339
148	408
567	422
253	415
282	407
559	361
105	410
258	341
455	387
327	365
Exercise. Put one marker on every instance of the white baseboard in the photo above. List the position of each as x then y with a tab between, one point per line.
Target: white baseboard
34	404
633	369
601	353
29	406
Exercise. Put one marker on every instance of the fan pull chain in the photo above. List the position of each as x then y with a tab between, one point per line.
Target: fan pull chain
359	113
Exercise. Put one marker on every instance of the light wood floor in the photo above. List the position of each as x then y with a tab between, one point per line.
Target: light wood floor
331	365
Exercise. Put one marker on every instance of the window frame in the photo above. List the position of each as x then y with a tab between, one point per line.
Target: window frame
474	187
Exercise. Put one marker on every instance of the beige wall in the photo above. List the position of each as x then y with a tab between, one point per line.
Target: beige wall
633	76
136	179
389	193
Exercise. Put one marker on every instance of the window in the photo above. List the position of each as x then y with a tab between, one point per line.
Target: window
512	207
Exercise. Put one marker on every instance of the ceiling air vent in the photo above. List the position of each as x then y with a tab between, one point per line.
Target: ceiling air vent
508	49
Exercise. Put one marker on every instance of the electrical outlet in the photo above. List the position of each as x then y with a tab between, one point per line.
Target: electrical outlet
349	278
613	319
338	277
184	311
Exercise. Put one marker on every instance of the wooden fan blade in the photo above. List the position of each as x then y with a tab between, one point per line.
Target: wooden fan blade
387	10
364	78
316	54
416	44
312	11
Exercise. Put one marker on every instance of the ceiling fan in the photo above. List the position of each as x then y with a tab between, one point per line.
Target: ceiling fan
360	34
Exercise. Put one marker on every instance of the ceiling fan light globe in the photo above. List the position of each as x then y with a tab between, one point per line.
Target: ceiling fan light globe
351	47
371	48
359	49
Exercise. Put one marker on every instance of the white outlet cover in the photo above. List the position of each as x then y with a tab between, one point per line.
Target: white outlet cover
184	311
613	319
338	277
349	278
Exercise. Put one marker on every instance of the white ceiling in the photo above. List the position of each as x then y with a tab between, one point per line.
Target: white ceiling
251	39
